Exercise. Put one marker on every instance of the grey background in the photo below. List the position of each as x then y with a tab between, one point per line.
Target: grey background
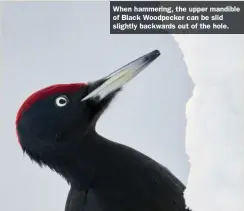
46	43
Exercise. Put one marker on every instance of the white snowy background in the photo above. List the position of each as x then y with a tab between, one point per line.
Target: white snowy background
215	124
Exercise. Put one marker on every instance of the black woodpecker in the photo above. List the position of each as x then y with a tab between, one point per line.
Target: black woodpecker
56	128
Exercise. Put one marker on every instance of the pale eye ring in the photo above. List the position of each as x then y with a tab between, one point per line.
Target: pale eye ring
61	101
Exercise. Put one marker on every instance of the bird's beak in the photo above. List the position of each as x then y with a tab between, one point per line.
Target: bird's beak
120	77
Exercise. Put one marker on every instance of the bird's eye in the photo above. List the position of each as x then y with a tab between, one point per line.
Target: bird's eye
61	101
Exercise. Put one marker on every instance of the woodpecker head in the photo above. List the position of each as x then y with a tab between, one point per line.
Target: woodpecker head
49	121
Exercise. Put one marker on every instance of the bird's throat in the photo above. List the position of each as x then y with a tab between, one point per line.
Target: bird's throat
85	161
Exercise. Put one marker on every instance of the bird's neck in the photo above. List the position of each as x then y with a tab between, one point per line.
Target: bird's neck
87	159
